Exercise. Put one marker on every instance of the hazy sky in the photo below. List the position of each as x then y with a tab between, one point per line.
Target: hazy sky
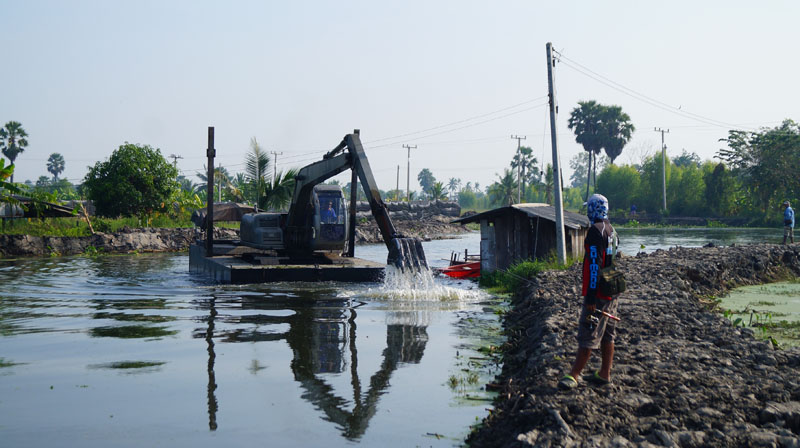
455	78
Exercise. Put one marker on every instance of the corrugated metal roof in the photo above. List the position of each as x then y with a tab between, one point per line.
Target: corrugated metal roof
533	210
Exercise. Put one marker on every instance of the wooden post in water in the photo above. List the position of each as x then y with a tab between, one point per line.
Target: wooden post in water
211	153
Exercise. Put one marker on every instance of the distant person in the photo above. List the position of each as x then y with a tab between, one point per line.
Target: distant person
329	214
788	222
633	210
594	329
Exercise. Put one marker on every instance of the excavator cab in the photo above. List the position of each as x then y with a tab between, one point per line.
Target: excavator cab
330	218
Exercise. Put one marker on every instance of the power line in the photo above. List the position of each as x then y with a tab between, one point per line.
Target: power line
576	66
459	121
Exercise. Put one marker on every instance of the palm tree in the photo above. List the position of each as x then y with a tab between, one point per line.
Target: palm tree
503	191
620	129
221	178
526	162
55	165
453	185
13	141
437	191
187	185
279	191
586	121
257	168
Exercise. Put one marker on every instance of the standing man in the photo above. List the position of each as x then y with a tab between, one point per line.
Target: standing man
788	222
595	328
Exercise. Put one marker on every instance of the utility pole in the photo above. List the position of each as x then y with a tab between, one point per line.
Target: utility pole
175	160
275	163
397	186
408	171
519	164
210	153
663	165
561	248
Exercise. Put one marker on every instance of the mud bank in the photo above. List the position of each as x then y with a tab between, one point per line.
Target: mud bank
431	228
683	375
177	240
126	241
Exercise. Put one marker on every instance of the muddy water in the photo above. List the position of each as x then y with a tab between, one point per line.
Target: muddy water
135	351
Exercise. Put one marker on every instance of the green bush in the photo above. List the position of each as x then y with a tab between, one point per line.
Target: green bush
519	274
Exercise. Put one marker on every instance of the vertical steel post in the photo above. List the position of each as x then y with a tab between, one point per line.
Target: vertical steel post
351	238
211	153
561	248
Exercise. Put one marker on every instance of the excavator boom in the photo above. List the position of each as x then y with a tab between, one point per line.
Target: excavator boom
405	253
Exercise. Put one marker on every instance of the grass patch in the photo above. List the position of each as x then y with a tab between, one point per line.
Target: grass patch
132	332
519	274
76	227
128	365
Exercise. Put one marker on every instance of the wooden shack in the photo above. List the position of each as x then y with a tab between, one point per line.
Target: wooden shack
525	232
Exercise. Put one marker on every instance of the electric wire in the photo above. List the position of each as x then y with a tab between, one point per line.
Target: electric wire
586	71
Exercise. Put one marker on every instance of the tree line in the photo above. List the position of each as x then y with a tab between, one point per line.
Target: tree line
754	172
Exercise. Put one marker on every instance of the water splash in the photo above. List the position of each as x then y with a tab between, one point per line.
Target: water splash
419	286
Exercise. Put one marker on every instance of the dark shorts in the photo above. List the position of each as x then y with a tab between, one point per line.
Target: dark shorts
603	332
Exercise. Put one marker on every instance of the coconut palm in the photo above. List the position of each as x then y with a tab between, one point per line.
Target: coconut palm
13	141
437	191
55	165
187	185
453	185
257	168
221	179
278	191
525	160
503	191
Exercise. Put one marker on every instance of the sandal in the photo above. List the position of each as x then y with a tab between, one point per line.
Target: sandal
567	383
596	379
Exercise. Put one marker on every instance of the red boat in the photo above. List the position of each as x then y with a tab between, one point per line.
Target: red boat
466	270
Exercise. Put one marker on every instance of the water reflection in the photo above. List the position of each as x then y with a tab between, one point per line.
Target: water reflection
322	334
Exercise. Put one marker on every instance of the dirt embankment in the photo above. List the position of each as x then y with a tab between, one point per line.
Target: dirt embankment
683	375
430	228
176	240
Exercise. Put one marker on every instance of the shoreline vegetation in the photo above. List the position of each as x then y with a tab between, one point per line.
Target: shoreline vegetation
684	374
123	236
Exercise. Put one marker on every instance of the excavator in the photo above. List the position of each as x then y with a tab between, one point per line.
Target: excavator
318	219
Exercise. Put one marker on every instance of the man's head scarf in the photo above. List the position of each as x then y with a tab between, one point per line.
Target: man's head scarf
597	208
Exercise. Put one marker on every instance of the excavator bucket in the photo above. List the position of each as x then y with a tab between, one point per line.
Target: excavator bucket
407	254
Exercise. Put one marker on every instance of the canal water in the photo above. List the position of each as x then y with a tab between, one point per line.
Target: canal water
134	351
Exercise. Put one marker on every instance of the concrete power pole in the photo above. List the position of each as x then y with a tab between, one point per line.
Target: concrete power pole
408	172
519	164
561	248
275	163
175	160
663	166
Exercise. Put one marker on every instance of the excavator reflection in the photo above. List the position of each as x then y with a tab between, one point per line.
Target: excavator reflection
322	337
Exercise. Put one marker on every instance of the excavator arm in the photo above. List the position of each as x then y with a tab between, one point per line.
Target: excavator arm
403	252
